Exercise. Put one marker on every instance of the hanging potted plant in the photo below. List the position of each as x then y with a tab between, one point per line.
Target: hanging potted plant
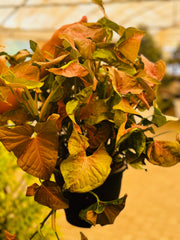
77	117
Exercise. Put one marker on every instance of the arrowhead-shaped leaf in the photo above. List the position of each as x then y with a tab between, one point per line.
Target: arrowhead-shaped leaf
36	154
130	42
155	70
164	153
123	83
108	213
83	173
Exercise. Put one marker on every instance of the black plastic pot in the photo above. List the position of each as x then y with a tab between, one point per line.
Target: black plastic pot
108	191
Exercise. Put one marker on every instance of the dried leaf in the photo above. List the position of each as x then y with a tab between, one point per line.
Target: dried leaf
49	194
164	153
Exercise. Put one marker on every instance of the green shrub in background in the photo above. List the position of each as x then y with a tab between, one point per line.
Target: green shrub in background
148	46
18	214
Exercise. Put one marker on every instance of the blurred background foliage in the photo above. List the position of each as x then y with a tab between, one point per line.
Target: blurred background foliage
19	214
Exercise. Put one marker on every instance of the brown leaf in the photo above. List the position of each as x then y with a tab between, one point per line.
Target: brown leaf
110	213
124	83
49	194
98	135
16	139
71	70
9	236
36	148
31	190
39	158
164	153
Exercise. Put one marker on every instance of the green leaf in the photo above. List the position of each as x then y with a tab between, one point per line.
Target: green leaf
83	173
164	153
13	81
71	107
105	55
81	98
112	25
135	139
107	214
33	45
158	118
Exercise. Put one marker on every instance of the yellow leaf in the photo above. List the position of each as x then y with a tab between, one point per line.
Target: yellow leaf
83	173
125	106
164	153
77	143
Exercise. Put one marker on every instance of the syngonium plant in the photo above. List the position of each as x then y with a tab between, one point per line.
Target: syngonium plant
76	107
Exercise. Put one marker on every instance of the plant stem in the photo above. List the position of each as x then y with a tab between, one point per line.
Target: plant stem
42	224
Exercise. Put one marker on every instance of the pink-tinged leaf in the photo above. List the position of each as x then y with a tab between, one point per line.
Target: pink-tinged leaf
72	32
130	42
155	70
49	194
164	153
71	70
124	83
